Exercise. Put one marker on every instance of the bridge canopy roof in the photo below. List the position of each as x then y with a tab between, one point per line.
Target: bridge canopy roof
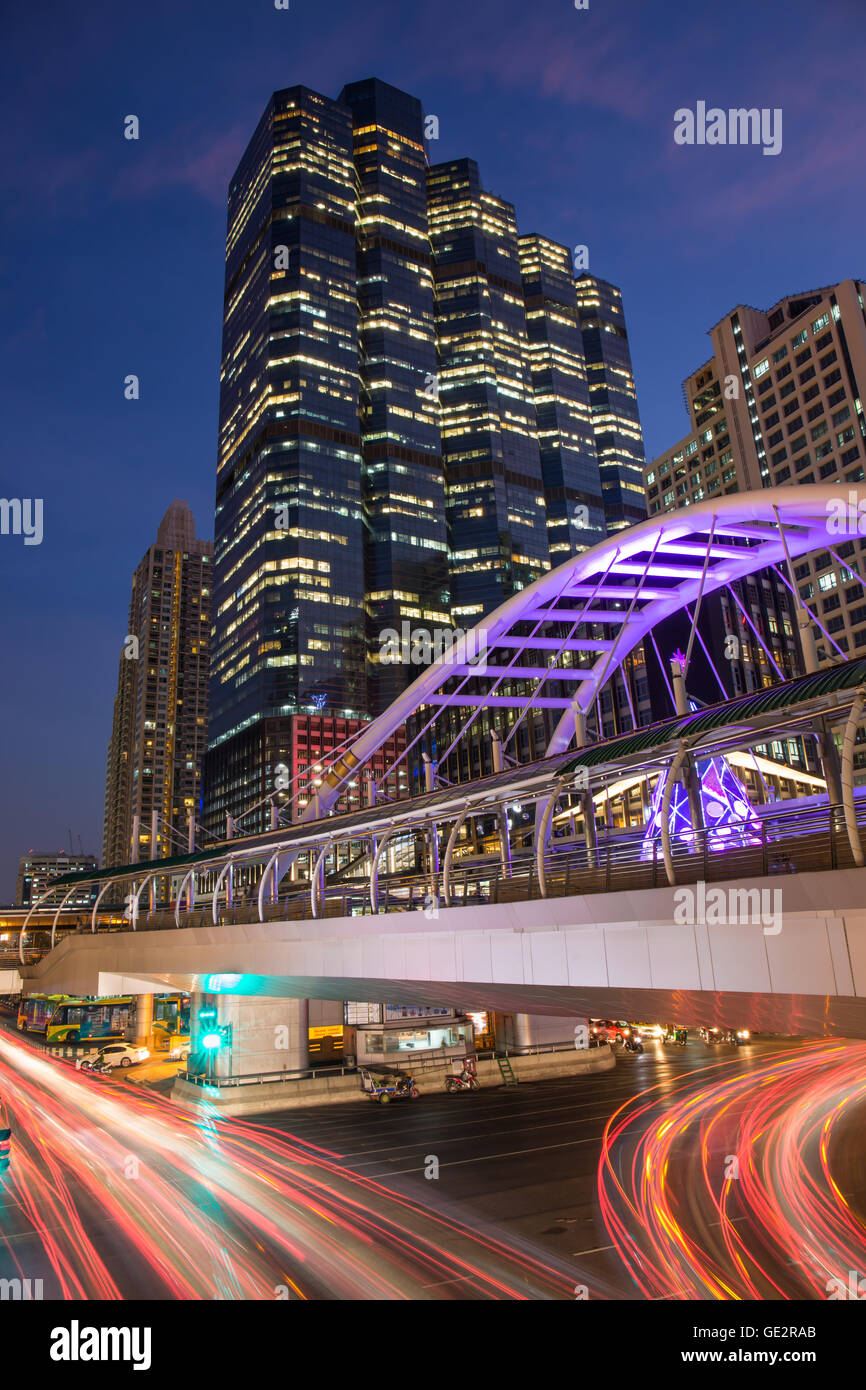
748	707
804	693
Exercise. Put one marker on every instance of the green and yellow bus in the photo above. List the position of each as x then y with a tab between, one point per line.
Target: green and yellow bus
34	1011
170	1021
77	1020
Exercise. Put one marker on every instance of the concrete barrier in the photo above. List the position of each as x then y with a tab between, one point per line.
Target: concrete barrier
254	1098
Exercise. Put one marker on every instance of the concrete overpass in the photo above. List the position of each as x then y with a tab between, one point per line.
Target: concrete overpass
565	920
787	953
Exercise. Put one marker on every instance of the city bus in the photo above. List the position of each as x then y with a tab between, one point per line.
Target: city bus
34	1011
170	1021
75	1020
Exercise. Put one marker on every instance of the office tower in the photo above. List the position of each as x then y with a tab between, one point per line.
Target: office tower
497	517
35	870
289	621
569	465
780	402
404	408
615	418
403	482
159	729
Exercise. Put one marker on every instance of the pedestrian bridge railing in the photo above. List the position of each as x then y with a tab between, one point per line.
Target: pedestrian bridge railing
776	842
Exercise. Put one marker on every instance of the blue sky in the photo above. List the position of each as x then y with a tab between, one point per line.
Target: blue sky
111	257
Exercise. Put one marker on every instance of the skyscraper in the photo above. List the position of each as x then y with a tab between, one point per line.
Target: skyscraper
407	433
615	418
497	519
289	619
569	463
403	481
159	728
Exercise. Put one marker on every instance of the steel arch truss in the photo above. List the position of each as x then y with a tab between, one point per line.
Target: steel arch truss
548	640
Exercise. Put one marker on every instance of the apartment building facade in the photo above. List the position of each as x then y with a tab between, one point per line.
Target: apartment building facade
159	727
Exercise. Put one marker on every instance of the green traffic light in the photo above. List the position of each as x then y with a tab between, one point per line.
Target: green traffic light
212	1040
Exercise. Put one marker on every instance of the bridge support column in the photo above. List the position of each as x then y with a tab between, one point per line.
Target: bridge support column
268	1035
143	1025
692	784
829	762
590	830
529	1031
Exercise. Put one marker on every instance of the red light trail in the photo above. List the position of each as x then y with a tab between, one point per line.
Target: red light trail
214	1208
719	1185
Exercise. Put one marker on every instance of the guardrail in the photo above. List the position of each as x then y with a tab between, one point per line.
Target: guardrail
413	1065
261	1078
781	843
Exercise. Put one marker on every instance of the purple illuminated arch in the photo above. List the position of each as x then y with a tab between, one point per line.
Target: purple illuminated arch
630	582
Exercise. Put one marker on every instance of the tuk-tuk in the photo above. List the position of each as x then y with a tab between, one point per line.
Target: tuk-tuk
384	1085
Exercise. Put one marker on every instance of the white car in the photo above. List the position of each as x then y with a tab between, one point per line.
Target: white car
121	1054
179	1053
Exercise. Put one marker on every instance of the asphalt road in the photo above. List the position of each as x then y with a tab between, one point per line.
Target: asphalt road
616	1183
525	1159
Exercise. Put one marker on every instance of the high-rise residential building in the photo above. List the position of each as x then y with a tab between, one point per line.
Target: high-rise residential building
159	730
752	607
780	401
35	869
615	418
407	429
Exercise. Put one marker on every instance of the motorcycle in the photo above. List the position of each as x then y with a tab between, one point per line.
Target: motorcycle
634	1042
96	1066
466	1081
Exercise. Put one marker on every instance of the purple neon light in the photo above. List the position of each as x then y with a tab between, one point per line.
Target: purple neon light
725	809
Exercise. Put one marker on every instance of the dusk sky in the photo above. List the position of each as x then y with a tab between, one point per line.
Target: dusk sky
112	257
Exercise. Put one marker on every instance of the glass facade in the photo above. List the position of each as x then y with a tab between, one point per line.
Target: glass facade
403	484
572	485
288	550
497	518
615	418
408	429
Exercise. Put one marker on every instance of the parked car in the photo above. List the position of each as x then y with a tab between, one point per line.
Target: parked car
179	1053
121	1054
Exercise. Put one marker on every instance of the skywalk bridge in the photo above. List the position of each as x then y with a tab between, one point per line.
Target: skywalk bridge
533	845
